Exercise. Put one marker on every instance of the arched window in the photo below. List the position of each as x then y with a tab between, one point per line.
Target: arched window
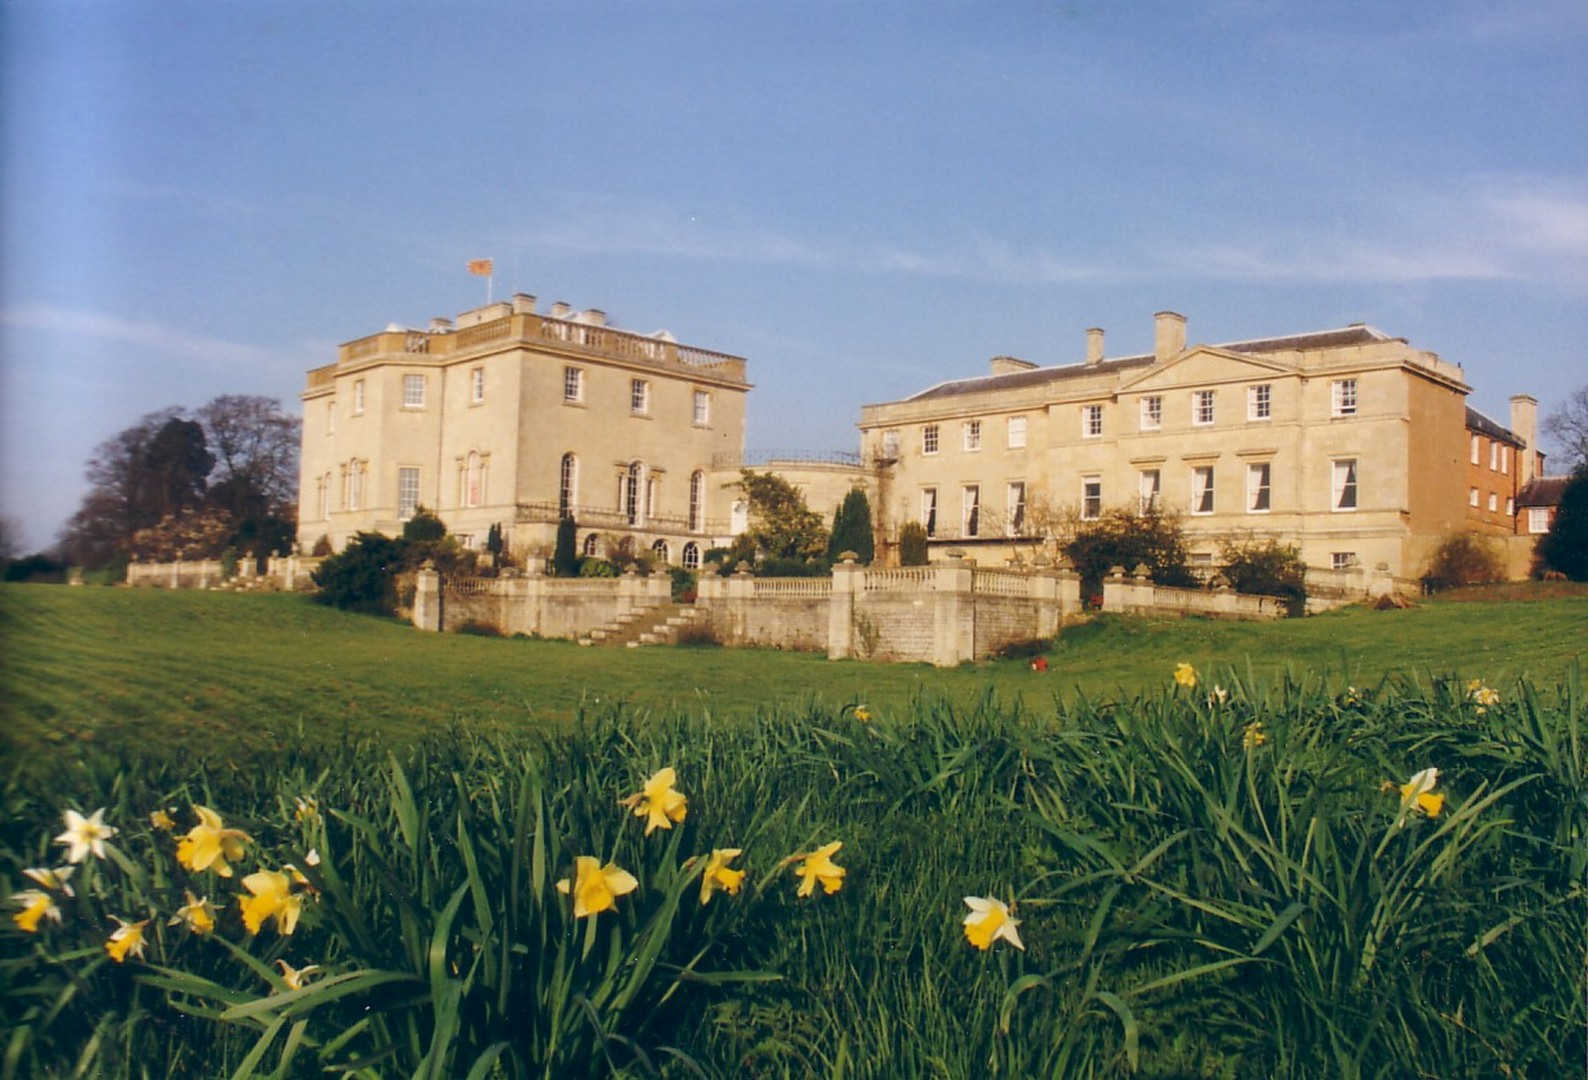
472	480
325	496
568	486
633	481
660	550
691	556
591	543
697	500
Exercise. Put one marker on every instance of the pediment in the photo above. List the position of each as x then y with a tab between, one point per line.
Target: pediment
1203	365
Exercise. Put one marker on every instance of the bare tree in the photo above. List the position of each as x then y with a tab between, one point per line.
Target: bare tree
256	451
1568	426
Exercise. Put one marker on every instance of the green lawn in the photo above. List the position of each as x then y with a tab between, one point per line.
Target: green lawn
152	665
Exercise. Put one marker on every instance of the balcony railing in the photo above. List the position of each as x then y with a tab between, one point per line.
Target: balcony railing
758	459
607	517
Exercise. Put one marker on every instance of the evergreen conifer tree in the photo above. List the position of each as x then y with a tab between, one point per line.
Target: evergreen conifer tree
565	561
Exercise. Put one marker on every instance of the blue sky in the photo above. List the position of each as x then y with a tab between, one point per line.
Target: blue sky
862	199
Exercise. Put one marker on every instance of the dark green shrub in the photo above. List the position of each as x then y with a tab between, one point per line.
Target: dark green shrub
38	568
1565	547
781	567
683	585
852	529
363	575
1462	559
1123	537
1267	568
322	546
565	560
423	526
912	544
593	567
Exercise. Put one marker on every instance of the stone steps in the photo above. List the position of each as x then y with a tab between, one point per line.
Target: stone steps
659	625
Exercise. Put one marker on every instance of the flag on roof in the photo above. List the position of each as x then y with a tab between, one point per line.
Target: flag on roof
480	267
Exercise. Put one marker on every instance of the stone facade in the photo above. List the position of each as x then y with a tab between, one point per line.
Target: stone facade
513	418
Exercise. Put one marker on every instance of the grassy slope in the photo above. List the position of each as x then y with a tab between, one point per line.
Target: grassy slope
153	666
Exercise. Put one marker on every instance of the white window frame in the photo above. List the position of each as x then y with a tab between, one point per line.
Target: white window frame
1537	520
690	557
1152	412
1505	460
1259	487
970	435
1510	506
1342	397
1150	493
1494	502
407	491
1260	401
1342	560
1016	434
702	409
591	545
1203	492
970	510
413	391
697	501
1472	496
632	491
1015	524
930	443
1091	421
1477	447
1494	456
661	550
639	397
1202	408
358	397
1344	478
568	485
476	385
572	385
929	511
1091	503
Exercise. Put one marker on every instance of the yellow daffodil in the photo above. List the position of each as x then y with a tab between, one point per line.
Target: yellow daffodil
126	938
85	834
53	880
819	866
162	820
1253	736
658	801
596	888
210	845
862	713
1218	696
306	808
35	906
295	977
989	920
312	858
1418	794
272	898
1185	675
1482	696
717	875
199	915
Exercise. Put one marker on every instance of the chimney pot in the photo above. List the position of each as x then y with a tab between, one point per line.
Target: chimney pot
523	303
560	309
1094	345
1168	335
593	317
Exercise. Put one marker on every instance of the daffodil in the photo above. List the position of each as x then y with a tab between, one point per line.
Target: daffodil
658	801
126	938
306	808
85	834
199	915
1253	735
1218	696
717	875
162	820
596	888
1185	675
1418	794
295	977
1481	695
989	920
36	904
210	845
272	898
862	713
819	866
53	880
312	858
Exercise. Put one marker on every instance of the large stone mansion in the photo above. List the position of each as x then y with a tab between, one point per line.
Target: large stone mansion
1348	442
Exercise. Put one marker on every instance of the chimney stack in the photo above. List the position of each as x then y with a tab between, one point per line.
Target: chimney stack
560	309
523	304
1094	345
593	317
440	324
1524	422
1168	339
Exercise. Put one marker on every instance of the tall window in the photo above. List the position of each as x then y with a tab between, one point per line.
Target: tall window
660	550
1344	484
1344	397
890	444
1202	407
929	510
567	486
1091	498
1202	489
473	480
639	396
1091	421
572	384
1494	457
633	491
697	501
592	545
691	557
1510	506
1494	502
1151	413
413	391
407	492
1476	446
970	510
1259	401
929	439
358	396
477	385
352	485
1257	488
972	432
1017	508
1017	433
702	408
1505	460
1472	496
1148	486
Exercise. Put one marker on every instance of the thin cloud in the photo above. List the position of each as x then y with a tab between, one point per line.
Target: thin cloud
167	340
